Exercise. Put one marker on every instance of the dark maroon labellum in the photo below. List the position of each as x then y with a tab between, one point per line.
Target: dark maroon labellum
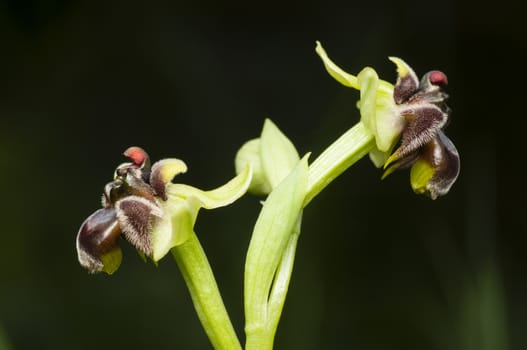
423	106
98	235
444	157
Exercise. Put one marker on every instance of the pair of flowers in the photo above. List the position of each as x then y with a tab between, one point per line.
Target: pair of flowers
142	205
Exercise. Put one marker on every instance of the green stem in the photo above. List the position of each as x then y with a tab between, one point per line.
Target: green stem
206	297
339	156
259	339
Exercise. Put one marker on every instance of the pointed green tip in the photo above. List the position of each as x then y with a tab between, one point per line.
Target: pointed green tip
388	171
389	161
318	47
335	71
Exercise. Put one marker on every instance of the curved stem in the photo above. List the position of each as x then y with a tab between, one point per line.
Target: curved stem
198	276
339	156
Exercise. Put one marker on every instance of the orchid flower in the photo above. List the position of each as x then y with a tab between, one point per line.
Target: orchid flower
412	111
144	207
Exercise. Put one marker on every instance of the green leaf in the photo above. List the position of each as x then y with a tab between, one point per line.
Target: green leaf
271	234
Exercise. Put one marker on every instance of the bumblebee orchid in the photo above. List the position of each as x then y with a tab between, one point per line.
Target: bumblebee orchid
412	111
143	206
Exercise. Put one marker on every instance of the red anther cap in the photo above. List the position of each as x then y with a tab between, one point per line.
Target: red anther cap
136	154
438	78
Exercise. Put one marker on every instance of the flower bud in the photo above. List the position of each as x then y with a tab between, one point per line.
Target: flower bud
249	154
272	157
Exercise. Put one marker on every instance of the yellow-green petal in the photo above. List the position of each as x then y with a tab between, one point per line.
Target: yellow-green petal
420	175
111	260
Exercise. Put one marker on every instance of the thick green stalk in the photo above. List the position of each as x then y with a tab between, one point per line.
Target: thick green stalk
339	156
206	297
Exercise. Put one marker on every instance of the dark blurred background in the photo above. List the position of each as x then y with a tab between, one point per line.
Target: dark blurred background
377	266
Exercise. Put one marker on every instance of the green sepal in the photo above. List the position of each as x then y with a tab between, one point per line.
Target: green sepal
219	197
335	71
181	210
